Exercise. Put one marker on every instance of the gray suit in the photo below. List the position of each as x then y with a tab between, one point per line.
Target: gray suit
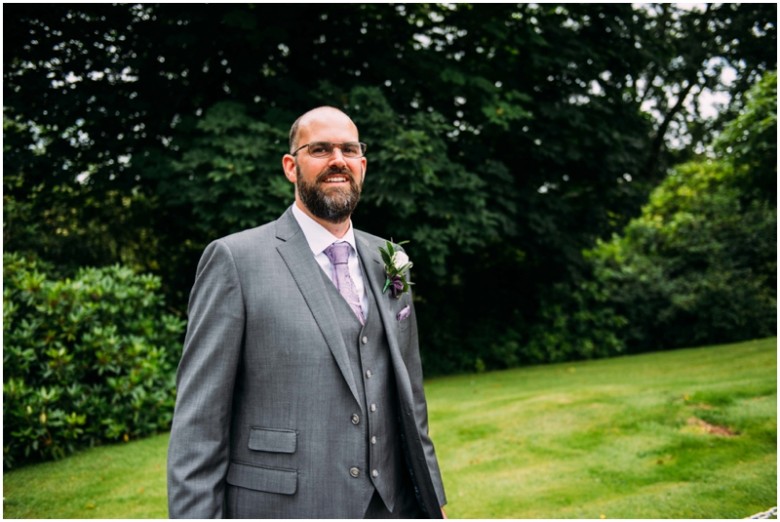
271	416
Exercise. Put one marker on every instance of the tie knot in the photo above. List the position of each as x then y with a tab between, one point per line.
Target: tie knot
338	253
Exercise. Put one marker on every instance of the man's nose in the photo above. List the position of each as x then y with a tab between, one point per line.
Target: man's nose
337	158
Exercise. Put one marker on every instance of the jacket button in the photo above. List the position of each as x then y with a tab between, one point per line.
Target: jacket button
355	472
355	419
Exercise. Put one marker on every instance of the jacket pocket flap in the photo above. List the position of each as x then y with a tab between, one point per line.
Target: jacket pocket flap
274	441
270	480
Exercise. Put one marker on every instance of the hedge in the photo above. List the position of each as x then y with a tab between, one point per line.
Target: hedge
86	360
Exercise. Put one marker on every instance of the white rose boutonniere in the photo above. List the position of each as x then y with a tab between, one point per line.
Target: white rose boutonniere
397	267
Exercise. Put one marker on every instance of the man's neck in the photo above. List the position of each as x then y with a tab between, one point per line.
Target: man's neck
337	229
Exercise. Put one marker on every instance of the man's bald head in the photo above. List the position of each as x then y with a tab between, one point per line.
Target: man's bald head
319	113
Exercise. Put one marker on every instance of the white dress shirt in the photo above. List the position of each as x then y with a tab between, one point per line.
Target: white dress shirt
319	238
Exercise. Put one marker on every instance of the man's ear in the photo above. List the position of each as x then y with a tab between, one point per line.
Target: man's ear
288	164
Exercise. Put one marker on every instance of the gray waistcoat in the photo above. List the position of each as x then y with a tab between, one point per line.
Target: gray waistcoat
369	357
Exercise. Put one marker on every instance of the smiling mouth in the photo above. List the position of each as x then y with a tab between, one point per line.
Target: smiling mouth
335	178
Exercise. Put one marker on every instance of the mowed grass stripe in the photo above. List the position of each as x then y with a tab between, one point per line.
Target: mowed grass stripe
680	434
628	437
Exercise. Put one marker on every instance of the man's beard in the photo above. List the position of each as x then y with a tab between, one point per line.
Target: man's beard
335	205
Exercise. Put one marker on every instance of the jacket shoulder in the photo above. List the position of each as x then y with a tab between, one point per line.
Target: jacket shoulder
248	236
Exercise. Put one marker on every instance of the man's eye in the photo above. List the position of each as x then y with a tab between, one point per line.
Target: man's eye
350	149
319	148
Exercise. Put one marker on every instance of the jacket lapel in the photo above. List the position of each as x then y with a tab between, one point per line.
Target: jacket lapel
375	274
373	265
305	271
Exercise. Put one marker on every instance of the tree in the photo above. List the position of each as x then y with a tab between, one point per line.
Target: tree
504	139
699	265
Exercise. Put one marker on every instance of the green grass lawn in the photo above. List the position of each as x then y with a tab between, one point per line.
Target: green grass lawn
681	434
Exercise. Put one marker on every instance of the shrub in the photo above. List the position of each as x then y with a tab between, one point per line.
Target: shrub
86	360
699	264
697	267
575	323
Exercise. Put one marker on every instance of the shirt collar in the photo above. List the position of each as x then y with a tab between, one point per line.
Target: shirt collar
318	237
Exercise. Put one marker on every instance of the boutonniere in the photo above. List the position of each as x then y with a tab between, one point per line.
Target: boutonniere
397	267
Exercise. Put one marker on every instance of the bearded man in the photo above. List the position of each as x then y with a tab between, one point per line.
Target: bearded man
300	388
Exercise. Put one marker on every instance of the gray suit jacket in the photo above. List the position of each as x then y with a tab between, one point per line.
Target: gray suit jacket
266	392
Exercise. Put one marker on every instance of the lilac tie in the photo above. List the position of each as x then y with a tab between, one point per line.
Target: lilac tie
338	253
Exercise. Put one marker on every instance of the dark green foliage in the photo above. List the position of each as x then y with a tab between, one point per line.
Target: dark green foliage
504	139
697	266
228	177
85	360
575	323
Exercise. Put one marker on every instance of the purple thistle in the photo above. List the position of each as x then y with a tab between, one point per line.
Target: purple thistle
397	286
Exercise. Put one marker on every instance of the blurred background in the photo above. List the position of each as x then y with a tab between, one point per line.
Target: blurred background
576	181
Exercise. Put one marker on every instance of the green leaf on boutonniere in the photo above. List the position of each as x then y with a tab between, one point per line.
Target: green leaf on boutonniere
397	267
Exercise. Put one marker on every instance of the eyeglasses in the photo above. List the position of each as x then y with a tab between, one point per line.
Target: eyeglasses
323	149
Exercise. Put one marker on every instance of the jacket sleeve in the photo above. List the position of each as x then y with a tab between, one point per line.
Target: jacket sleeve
198	453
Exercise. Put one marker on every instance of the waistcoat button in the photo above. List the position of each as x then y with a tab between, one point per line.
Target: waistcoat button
364	340
375	473
373	407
